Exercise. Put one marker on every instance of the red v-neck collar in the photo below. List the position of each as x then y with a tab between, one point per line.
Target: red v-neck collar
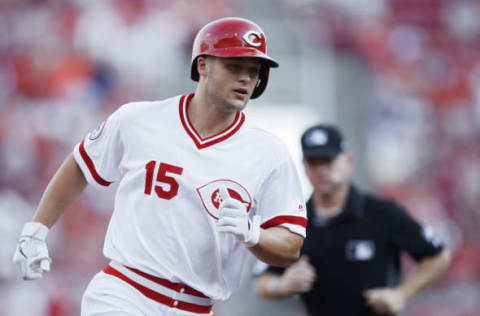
214	139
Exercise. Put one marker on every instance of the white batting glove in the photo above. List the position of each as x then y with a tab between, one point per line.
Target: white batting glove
234	219
31	254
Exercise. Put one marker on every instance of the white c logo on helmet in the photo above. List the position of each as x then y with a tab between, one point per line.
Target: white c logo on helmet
247	37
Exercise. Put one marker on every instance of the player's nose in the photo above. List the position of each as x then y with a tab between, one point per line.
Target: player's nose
244	76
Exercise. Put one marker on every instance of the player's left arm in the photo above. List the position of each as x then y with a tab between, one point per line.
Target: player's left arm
277	246
272	236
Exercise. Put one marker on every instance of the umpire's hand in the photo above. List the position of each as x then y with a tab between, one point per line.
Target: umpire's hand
385	301
298	278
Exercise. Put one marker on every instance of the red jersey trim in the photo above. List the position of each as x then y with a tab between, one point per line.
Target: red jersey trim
158	297
91	166
169	284
279	220
211	140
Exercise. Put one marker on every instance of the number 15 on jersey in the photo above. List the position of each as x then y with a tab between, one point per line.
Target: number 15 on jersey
162	190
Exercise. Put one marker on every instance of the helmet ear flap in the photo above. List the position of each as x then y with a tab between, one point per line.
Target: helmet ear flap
261	83
194	75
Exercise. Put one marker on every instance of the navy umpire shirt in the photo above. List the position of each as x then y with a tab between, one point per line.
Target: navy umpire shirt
359	249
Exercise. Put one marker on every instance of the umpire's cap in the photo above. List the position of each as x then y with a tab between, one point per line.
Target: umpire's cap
322	141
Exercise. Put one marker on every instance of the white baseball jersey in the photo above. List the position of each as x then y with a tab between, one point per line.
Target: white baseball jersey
166	205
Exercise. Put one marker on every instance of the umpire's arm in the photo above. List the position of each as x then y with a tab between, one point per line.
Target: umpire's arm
423	245
428	251
427	271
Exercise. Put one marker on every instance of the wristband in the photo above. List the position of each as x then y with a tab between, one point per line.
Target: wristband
34	229
254	231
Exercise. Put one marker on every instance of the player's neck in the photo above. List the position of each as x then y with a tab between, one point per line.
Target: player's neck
206	118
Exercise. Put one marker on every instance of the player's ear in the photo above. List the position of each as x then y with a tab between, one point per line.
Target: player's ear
202	66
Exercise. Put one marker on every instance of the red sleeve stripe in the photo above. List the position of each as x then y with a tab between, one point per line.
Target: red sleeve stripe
91	166
279	220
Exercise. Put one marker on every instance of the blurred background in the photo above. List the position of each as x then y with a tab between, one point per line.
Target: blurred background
400	77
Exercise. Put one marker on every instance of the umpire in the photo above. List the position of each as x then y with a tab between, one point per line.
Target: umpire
350	263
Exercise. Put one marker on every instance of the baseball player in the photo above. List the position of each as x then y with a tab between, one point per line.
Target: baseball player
199	187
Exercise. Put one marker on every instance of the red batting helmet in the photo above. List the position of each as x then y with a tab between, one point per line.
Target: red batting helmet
233	37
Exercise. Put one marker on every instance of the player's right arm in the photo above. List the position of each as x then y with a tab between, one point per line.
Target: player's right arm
93	160
64	188
31	254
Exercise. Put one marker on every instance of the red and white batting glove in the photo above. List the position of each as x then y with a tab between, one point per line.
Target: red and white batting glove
234	219
31	255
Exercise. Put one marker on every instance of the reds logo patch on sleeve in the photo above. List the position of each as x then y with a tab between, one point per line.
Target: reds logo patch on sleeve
211	197
97	131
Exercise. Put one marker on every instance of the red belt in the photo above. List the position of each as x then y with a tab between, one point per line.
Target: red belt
183	291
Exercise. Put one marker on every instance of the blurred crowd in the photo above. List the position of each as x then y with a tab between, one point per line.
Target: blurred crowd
423	125
66	64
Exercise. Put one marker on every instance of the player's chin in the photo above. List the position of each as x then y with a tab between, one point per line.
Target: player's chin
235	105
